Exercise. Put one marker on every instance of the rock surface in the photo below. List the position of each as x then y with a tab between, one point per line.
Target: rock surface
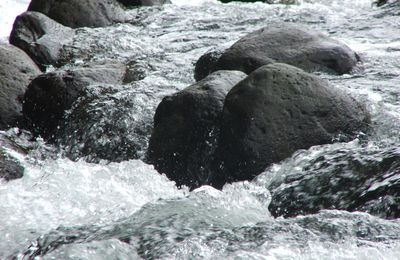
16	72
10	168
277	110
287	43
103	124
40	37
207	63
80	13
186	127
363	179
51	94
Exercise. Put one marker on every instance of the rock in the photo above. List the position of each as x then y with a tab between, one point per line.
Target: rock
206	64
10	168
186	127
129	3
51	94
104	124
363	179
277	110
41	38
291	44
80	13
16	71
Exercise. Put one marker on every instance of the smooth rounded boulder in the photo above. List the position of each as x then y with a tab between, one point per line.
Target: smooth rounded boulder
16	72
51	94
80	13
41	38
277	110
364	179
186	127
287	43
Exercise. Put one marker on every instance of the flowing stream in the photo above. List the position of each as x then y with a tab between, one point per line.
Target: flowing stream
65	209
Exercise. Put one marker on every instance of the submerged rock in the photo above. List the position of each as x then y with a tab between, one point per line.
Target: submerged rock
103	124
286	43
51	94
80	13
277	110
10	168
186	127
16	71
40	37
363	179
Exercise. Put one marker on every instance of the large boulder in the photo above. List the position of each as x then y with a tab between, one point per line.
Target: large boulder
277	110
16	72
130	3
363	179
51	94
186	127
80	13
40	37
286	43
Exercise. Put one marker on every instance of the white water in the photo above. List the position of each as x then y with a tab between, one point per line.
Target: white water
104	204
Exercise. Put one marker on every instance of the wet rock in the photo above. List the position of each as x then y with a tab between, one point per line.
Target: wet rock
363	179
16	71
130	3
10	168
51	94
186	127
40	37
80	13
206	64
287	43
104	124
277	110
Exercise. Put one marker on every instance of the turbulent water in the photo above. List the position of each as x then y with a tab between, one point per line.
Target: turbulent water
63	209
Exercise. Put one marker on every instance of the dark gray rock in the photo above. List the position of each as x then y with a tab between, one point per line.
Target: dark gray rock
206	64
80	13
16	71
130	3
186	127
363	179
287	43
40	37
10	168
277	110
51	94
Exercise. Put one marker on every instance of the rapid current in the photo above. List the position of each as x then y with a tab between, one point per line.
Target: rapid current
78	209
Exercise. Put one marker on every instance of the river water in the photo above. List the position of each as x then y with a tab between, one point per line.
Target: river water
64	209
